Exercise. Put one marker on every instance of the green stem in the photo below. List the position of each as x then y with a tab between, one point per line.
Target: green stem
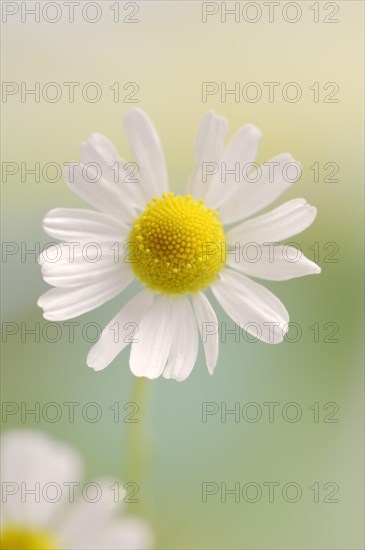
136	454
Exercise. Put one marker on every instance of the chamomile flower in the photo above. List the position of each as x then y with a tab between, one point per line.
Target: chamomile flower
175	246
46	507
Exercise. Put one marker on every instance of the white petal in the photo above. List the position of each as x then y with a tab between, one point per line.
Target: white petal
73	251
31	457
208	327
129	533
184	346
74	275
60	304
241	150
287	220
72	224
99	193
252	306
149	355
274	263
98	149
264	186
209	146
147	152
121	331
71	267
85	519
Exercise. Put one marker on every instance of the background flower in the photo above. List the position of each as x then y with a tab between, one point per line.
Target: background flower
57	515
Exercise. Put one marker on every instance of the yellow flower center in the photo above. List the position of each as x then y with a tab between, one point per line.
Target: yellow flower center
25	538
176	245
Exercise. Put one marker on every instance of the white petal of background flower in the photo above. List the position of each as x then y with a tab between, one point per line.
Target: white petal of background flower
32	457
130	533
98	525
89	518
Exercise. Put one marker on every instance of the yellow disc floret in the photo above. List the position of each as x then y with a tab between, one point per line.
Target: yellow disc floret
25	538
176	245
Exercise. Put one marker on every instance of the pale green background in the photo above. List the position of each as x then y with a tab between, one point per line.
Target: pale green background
169	53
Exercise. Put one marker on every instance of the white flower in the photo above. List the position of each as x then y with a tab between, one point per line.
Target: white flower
176	247
44	508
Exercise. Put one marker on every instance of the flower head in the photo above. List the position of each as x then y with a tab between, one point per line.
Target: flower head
175	246
170	240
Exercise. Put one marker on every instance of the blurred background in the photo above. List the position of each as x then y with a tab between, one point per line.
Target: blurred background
167	53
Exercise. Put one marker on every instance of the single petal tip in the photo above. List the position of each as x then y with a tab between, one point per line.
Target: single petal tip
253	129
133	112
91	365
